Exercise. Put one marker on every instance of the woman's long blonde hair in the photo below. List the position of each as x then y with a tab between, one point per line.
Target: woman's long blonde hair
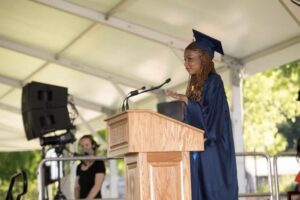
196	82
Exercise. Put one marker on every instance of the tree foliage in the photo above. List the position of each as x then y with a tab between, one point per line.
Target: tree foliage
291	131
13	162
269	100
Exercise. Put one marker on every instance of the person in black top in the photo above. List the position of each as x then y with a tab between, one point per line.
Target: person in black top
89	174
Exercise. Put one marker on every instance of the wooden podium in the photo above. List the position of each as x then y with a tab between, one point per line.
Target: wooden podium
156	152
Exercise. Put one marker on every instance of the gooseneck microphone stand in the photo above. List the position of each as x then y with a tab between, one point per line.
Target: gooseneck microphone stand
125	105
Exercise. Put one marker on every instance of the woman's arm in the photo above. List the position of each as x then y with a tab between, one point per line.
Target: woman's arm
175	95
77	188
99	178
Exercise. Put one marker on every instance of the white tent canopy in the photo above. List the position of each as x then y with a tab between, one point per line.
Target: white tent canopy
100	50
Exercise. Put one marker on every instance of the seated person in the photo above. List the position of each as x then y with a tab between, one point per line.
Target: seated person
90	173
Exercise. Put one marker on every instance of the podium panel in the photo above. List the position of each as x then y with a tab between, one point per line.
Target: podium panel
159	176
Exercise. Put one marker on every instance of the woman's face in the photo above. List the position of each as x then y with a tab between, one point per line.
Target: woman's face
86	145
192	61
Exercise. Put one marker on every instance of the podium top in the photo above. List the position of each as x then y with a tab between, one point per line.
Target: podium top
141	130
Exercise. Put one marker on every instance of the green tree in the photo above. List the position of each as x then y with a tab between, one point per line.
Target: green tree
269	100
291	131
13	162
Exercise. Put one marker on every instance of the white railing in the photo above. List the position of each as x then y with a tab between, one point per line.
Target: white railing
272	194
270	182
275	168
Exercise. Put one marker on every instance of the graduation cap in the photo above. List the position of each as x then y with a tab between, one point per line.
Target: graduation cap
207	43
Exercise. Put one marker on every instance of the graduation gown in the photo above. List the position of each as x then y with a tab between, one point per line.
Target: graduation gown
213	171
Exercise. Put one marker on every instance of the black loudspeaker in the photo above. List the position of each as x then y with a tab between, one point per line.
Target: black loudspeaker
173	109
37	95
44	109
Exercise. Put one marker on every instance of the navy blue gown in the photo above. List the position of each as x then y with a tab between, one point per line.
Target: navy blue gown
213	171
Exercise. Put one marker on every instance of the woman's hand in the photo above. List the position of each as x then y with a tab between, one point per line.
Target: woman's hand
177	96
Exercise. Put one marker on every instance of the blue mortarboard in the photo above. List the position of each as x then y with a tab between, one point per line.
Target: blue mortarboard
207	43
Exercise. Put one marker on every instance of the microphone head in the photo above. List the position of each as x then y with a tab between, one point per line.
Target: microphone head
168	80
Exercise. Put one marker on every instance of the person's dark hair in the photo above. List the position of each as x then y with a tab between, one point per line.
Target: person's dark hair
196	82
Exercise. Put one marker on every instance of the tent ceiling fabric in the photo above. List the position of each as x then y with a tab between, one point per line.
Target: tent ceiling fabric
103	49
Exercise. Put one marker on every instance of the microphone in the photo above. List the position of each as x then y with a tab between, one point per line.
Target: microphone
136	92
157	87
130	94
